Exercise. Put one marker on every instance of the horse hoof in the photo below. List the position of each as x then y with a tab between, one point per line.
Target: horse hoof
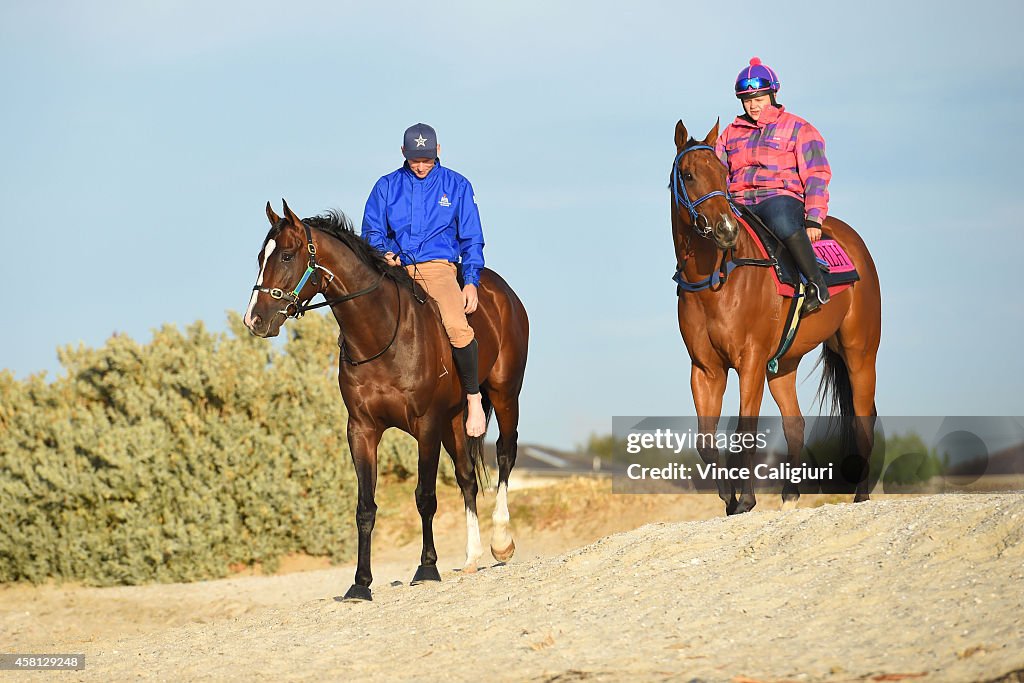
861	497
790	504
424	573
506	554
741	508
472	562
357	593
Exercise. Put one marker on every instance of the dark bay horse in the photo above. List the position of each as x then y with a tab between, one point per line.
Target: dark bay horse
739	324
396	369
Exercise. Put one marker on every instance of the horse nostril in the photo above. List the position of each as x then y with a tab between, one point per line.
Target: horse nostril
727	230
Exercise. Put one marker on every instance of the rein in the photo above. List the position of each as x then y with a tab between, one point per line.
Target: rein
727	264
394	335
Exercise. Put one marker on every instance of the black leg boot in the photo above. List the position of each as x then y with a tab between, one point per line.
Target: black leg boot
816	295
467	363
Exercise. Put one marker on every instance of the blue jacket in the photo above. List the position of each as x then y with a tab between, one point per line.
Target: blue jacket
428	219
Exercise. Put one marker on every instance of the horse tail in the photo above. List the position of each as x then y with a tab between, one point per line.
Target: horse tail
835	389
475	445
836	392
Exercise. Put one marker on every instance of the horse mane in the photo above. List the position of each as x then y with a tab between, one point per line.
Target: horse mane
336	224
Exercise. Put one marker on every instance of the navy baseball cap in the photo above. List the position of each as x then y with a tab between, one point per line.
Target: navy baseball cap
420	142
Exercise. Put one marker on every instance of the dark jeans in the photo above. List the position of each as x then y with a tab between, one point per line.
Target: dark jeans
783	215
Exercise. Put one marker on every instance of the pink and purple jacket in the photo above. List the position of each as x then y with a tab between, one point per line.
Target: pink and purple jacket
781	154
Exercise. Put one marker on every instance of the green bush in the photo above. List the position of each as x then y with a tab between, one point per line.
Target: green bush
172	460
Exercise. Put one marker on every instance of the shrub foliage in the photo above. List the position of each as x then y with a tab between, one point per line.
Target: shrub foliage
171	461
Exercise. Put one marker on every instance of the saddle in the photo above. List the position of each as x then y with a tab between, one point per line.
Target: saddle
835	263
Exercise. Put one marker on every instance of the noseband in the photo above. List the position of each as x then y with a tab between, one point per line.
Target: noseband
682	197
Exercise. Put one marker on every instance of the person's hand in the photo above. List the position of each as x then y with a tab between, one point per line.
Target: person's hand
469	298
392	259
813	233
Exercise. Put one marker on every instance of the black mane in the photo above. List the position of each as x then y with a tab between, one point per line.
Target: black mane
336	224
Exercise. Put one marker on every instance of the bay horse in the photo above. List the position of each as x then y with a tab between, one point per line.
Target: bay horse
739	324
396	370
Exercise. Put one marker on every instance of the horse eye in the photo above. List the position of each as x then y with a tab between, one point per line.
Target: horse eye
286	256
687	176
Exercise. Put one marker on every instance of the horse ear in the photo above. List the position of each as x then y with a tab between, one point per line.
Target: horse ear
271	216
712	137
288	213
681	136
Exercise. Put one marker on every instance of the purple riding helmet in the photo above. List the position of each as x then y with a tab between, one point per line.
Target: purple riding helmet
756	80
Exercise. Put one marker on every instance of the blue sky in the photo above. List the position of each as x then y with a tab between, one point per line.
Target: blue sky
141	141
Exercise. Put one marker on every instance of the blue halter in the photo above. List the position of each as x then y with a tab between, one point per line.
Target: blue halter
682	197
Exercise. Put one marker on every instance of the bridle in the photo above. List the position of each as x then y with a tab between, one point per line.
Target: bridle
727	264
682	197
296	307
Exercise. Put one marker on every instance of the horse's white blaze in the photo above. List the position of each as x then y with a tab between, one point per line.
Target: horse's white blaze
500	536
259	282
473	547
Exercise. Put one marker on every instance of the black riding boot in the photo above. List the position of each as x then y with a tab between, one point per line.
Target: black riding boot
799	246
467	364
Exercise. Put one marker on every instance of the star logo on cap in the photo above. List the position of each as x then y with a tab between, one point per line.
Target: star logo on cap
421	141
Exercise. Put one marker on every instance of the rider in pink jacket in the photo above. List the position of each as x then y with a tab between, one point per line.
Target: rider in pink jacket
777	168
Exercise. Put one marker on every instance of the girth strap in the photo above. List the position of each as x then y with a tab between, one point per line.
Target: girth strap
789	331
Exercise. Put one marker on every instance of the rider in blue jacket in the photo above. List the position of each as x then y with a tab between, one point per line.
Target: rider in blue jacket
424	217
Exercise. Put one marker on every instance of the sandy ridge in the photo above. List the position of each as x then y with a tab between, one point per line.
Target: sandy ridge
932	586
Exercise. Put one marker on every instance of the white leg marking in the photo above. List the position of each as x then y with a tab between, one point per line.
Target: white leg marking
259	281
473	547
501	536
500	515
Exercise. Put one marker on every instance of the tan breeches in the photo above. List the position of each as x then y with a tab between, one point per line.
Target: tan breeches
438	279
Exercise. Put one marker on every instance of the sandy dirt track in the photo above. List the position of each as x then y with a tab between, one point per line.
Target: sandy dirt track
928	588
